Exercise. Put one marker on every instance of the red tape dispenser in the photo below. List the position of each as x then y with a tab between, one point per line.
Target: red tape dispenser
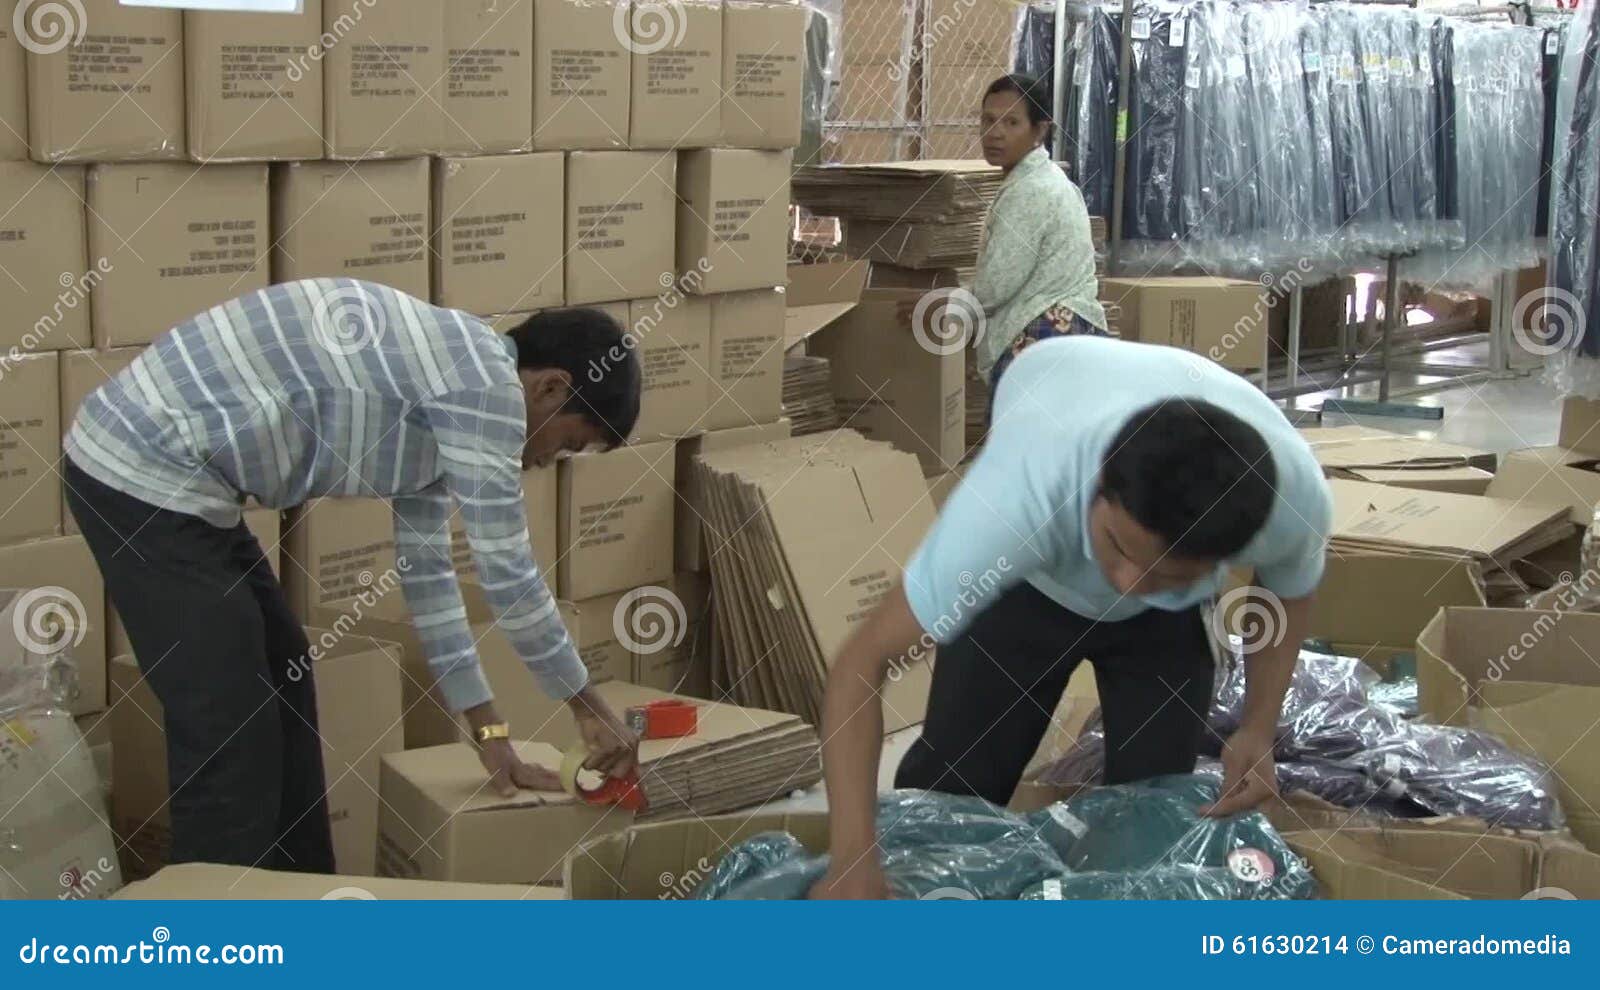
624	792
664	719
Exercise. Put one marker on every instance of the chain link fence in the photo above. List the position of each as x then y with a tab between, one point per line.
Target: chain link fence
909	75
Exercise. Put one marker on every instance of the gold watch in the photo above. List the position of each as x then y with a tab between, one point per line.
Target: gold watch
494	730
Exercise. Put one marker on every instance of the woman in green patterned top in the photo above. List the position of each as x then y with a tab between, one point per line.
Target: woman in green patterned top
1036	267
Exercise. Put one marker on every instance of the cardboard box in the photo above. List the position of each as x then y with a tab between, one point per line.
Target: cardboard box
488	84
494	249
177	239
81	373
733	219
673	340
763	73
13	96
44	251
339	555
1222	318
358	717
943	484
691	554
30	449
113	94
955	92
254	91
60	589
210	882
819	294
1386	865
746	359
366	221
620	211
53	815
671	652
582	75
439	821
1528	677
874	94
1373	607
970	32
670	859
890	385
1402	520
677	74
608	660
384	78
615	520
957	141
1550	476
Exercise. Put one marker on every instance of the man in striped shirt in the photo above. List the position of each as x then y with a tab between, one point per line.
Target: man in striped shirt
327	388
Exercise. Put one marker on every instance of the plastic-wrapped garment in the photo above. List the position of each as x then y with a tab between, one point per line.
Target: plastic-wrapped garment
1284	136
1499	97
1399	695
1092	108
1326	712
1364	215
1156	115
814	87
1222	196
1573	316
1550	79
1455	771
1135	841
1034	43
1441	59
1345	786
1326	249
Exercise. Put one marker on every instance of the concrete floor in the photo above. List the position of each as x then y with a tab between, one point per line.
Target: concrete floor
1497	415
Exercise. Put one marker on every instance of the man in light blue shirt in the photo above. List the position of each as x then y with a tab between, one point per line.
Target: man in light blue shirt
1119	483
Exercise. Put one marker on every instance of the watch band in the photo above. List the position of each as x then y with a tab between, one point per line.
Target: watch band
494	730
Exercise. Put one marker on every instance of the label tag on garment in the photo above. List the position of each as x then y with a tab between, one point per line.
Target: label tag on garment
1552	43
1067	820
1312	62
1175	39
1251	865
1236	67
1052	889
1191	78
1141	28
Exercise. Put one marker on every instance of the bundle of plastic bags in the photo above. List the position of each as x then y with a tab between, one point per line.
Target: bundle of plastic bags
1143	841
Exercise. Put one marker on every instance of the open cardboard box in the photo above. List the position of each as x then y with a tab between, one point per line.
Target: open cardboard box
819	294
1529	677
1567	473
1373	607
1380	864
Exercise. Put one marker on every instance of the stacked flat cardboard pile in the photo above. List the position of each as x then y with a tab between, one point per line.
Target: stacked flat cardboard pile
807	536
736	758
1362	453
1495	533
913	245
808	394
900	192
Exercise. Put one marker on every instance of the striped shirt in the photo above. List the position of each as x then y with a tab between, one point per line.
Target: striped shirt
336	387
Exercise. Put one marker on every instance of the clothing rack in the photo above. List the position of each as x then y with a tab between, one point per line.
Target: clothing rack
1354	368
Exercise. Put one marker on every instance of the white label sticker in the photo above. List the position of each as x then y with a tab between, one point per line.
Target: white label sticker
1141	28
1176	37
1052	889
1251	865
1191	78
1552	43
1236	69
1067	820
1312	62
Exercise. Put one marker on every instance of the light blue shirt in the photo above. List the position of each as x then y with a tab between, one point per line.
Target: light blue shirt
1021	513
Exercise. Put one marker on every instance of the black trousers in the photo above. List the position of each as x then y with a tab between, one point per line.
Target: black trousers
218	645
996	686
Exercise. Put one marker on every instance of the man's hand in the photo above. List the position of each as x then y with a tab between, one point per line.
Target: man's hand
613	747
1249	773
507	772
863	881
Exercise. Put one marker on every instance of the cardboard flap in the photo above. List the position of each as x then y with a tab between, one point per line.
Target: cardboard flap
452	778
1443	693
1365	447
1384	600
1550	475
1442	521
800	322
1580	425
826	282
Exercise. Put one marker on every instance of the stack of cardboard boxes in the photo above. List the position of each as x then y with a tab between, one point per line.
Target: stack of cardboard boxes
500	159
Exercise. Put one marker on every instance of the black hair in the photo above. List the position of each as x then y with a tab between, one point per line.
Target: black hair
591	347
1197	476
1033	93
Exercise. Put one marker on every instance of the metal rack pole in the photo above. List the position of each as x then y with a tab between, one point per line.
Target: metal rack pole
1296	317
1391	315
1058	95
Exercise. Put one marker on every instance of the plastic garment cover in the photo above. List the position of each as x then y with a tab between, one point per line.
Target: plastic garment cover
1091	112
1399	696
814	86
1498	88
1336	742
1573	302
1137	841
1033	43
1157	110
1221	191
